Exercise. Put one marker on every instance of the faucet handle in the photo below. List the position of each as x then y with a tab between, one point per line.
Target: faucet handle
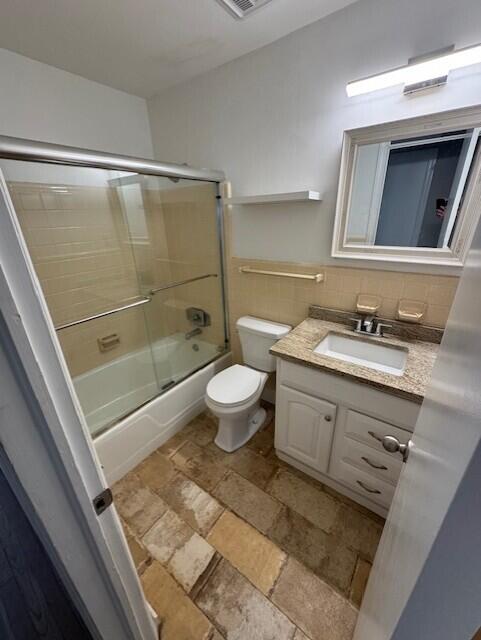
380	328
358	322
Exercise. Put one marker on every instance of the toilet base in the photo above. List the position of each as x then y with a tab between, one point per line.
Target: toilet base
232	433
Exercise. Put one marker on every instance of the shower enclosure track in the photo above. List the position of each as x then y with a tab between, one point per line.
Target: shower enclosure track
32	151
136	303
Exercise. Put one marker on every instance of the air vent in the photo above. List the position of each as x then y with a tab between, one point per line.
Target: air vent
242	8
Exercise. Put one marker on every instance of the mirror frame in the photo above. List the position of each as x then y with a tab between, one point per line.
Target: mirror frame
468	213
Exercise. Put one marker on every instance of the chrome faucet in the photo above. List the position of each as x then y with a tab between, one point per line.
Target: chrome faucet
370	325
193	332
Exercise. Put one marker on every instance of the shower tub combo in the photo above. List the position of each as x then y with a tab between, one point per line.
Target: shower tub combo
129	256
121	445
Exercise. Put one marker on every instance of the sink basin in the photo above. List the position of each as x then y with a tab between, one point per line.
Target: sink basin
385	358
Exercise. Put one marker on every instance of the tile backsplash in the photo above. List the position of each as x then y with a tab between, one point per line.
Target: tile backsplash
287	300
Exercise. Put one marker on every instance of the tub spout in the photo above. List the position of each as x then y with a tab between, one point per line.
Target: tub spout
195	332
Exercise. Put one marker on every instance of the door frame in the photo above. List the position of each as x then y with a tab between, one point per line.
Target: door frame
46	439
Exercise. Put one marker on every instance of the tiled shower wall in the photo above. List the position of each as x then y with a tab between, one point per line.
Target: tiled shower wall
78	242
86	263
287	300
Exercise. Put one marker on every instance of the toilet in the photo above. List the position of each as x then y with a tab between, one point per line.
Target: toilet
234	394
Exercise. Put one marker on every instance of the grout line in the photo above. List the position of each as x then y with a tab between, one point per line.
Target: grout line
205	576
226	508
274	584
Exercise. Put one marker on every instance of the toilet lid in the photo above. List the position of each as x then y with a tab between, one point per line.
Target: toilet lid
234	385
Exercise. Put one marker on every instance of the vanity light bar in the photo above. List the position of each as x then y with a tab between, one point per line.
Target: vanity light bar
417	73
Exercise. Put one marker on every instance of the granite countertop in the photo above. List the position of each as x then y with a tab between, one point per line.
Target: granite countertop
298	347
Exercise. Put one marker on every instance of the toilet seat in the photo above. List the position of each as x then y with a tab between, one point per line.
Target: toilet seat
234	386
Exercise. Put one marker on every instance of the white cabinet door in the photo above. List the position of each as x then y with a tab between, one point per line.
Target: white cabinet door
304	427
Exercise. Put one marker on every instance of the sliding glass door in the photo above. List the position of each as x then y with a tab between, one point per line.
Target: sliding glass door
130	266
173	231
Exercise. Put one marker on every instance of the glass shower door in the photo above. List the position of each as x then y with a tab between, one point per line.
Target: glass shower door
73	223
175	240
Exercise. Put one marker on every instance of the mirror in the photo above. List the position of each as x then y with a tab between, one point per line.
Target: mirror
407	189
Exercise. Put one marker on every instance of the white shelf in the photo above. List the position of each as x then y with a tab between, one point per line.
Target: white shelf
276	198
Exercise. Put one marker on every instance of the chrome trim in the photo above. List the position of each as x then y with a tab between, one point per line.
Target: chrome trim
180	282
33	151
222	261
103	314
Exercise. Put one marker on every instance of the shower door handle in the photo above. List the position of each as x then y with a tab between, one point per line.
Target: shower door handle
103	314
172	285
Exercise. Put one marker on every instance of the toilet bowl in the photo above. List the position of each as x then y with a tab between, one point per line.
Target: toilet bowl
233	395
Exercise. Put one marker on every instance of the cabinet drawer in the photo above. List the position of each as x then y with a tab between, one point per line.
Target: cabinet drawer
374	463
371	431
365	484
304	427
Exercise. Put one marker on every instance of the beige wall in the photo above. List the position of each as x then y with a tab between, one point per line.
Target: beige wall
86	263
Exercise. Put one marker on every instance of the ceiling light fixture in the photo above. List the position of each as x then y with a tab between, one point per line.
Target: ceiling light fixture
421	73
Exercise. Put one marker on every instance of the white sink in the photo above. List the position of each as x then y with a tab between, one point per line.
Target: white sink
385	358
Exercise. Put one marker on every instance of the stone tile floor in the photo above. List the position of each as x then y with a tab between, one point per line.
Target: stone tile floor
242	546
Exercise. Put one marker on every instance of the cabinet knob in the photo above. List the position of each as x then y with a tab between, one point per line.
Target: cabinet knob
328	418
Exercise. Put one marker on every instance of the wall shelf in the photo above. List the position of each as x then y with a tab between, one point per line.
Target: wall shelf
276	198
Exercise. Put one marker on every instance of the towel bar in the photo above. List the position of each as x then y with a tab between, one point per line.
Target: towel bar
316	277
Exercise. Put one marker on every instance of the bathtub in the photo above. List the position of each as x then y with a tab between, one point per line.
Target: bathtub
114	389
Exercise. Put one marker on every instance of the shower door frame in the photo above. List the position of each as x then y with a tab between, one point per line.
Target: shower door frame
60	433
25	150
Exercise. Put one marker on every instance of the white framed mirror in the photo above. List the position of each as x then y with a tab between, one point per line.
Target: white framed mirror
410	191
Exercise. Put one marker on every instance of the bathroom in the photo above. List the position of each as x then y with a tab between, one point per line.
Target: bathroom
240	295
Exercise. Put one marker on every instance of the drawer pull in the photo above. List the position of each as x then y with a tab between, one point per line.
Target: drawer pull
382	467
366	488
375	436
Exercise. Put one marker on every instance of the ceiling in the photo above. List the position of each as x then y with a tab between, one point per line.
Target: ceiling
145	46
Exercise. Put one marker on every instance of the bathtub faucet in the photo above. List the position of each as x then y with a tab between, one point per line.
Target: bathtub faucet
194	332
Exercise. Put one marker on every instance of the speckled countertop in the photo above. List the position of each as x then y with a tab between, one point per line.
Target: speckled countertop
298	347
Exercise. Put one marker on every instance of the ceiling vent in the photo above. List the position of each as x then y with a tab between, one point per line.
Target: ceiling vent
242	8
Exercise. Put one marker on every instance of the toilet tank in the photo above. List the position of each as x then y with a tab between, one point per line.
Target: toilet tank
257	337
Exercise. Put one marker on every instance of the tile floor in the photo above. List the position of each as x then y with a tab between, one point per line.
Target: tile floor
242	546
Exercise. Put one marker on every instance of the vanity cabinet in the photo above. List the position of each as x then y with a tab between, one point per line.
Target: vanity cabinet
331	427
308	427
